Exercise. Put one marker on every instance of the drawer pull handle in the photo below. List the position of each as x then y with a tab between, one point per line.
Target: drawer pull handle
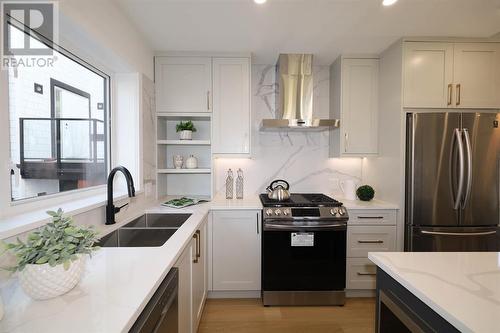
376	241
371	217
366	274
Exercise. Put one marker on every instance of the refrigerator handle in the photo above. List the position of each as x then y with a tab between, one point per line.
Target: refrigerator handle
457	137
442	233
469	167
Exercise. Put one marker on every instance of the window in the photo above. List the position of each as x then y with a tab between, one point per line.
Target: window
58	125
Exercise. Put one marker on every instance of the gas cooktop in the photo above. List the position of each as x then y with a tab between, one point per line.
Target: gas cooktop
301	200
311	207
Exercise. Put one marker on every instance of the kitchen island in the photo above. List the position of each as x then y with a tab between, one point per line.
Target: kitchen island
439	291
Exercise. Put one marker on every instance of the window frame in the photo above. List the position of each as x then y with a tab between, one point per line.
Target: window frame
58	198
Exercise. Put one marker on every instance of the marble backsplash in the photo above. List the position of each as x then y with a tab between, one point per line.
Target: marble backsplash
301	158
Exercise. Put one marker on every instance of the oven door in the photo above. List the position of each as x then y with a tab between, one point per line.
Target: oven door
307	258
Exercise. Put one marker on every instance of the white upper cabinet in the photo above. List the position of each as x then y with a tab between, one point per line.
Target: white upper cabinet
354	100
477	75
183	84
231	106
451	75
428	74
236	249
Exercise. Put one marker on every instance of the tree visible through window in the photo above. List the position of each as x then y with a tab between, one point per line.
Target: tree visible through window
59	123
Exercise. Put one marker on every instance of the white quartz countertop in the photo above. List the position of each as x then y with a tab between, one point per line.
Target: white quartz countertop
118	282
116	287
253	202
372	204
248	202
462	287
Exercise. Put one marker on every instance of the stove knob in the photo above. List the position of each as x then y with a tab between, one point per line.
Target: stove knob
269	212
341	212
286	212
334	211
277	212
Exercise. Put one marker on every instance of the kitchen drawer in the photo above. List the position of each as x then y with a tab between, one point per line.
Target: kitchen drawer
372	217
361	274
364	239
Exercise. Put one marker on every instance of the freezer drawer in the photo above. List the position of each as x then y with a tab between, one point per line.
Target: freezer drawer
455	239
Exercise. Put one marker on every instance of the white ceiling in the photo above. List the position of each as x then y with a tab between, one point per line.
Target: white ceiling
325	28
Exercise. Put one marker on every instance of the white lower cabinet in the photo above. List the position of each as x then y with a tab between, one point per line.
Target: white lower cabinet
364	239
199	275
361	274
367	231
192	265
184	296
236	250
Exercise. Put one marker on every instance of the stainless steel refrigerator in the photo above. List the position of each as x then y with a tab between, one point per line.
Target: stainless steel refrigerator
452	181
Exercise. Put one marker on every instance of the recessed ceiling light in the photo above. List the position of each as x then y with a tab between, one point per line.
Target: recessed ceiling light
260	2
389	2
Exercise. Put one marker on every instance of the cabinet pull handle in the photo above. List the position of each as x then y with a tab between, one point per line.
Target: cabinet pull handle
459	93
371	217
366	274
198	247
346	141
450	92
196	236
376	241
257	215
208	100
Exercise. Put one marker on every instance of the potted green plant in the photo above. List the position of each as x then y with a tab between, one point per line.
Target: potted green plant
365	193
185	130
52	259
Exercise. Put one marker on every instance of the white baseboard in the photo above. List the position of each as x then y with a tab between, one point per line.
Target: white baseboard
234	294
351	293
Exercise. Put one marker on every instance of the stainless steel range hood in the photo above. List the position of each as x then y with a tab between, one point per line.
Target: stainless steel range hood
294	96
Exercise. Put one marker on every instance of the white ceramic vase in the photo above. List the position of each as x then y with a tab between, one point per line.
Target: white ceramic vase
186	135
43	282
178	161
191	162
348	187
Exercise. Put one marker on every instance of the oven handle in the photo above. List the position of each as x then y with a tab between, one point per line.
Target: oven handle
339	227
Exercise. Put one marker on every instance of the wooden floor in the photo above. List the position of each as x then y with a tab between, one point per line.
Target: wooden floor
249	316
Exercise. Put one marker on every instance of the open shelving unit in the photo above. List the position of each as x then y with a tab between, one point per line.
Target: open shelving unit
193	182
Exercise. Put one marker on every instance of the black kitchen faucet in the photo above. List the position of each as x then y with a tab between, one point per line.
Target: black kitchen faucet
111	210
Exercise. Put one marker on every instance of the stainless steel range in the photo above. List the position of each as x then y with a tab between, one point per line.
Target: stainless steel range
303	250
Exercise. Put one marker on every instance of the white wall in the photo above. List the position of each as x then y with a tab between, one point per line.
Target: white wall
386	171
301	158
103	23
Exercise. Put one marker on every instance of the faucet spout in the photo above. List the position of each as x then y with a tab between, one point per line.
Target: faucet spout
111	210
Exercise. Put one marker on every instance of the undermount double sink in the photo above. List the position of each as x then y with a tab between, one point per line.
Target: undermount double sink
148	230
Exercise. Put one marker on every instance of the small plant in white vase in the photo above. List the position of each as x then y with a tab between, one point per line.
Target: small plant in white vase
185	130
51	261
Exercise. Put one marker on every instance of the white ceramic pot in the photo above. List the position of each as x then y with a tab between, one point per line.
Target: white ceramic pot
191	162
186	135
43	282
348	187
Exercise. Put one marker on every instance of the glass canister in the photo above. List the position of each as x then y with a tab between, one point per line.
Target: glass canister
229	184
239	184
